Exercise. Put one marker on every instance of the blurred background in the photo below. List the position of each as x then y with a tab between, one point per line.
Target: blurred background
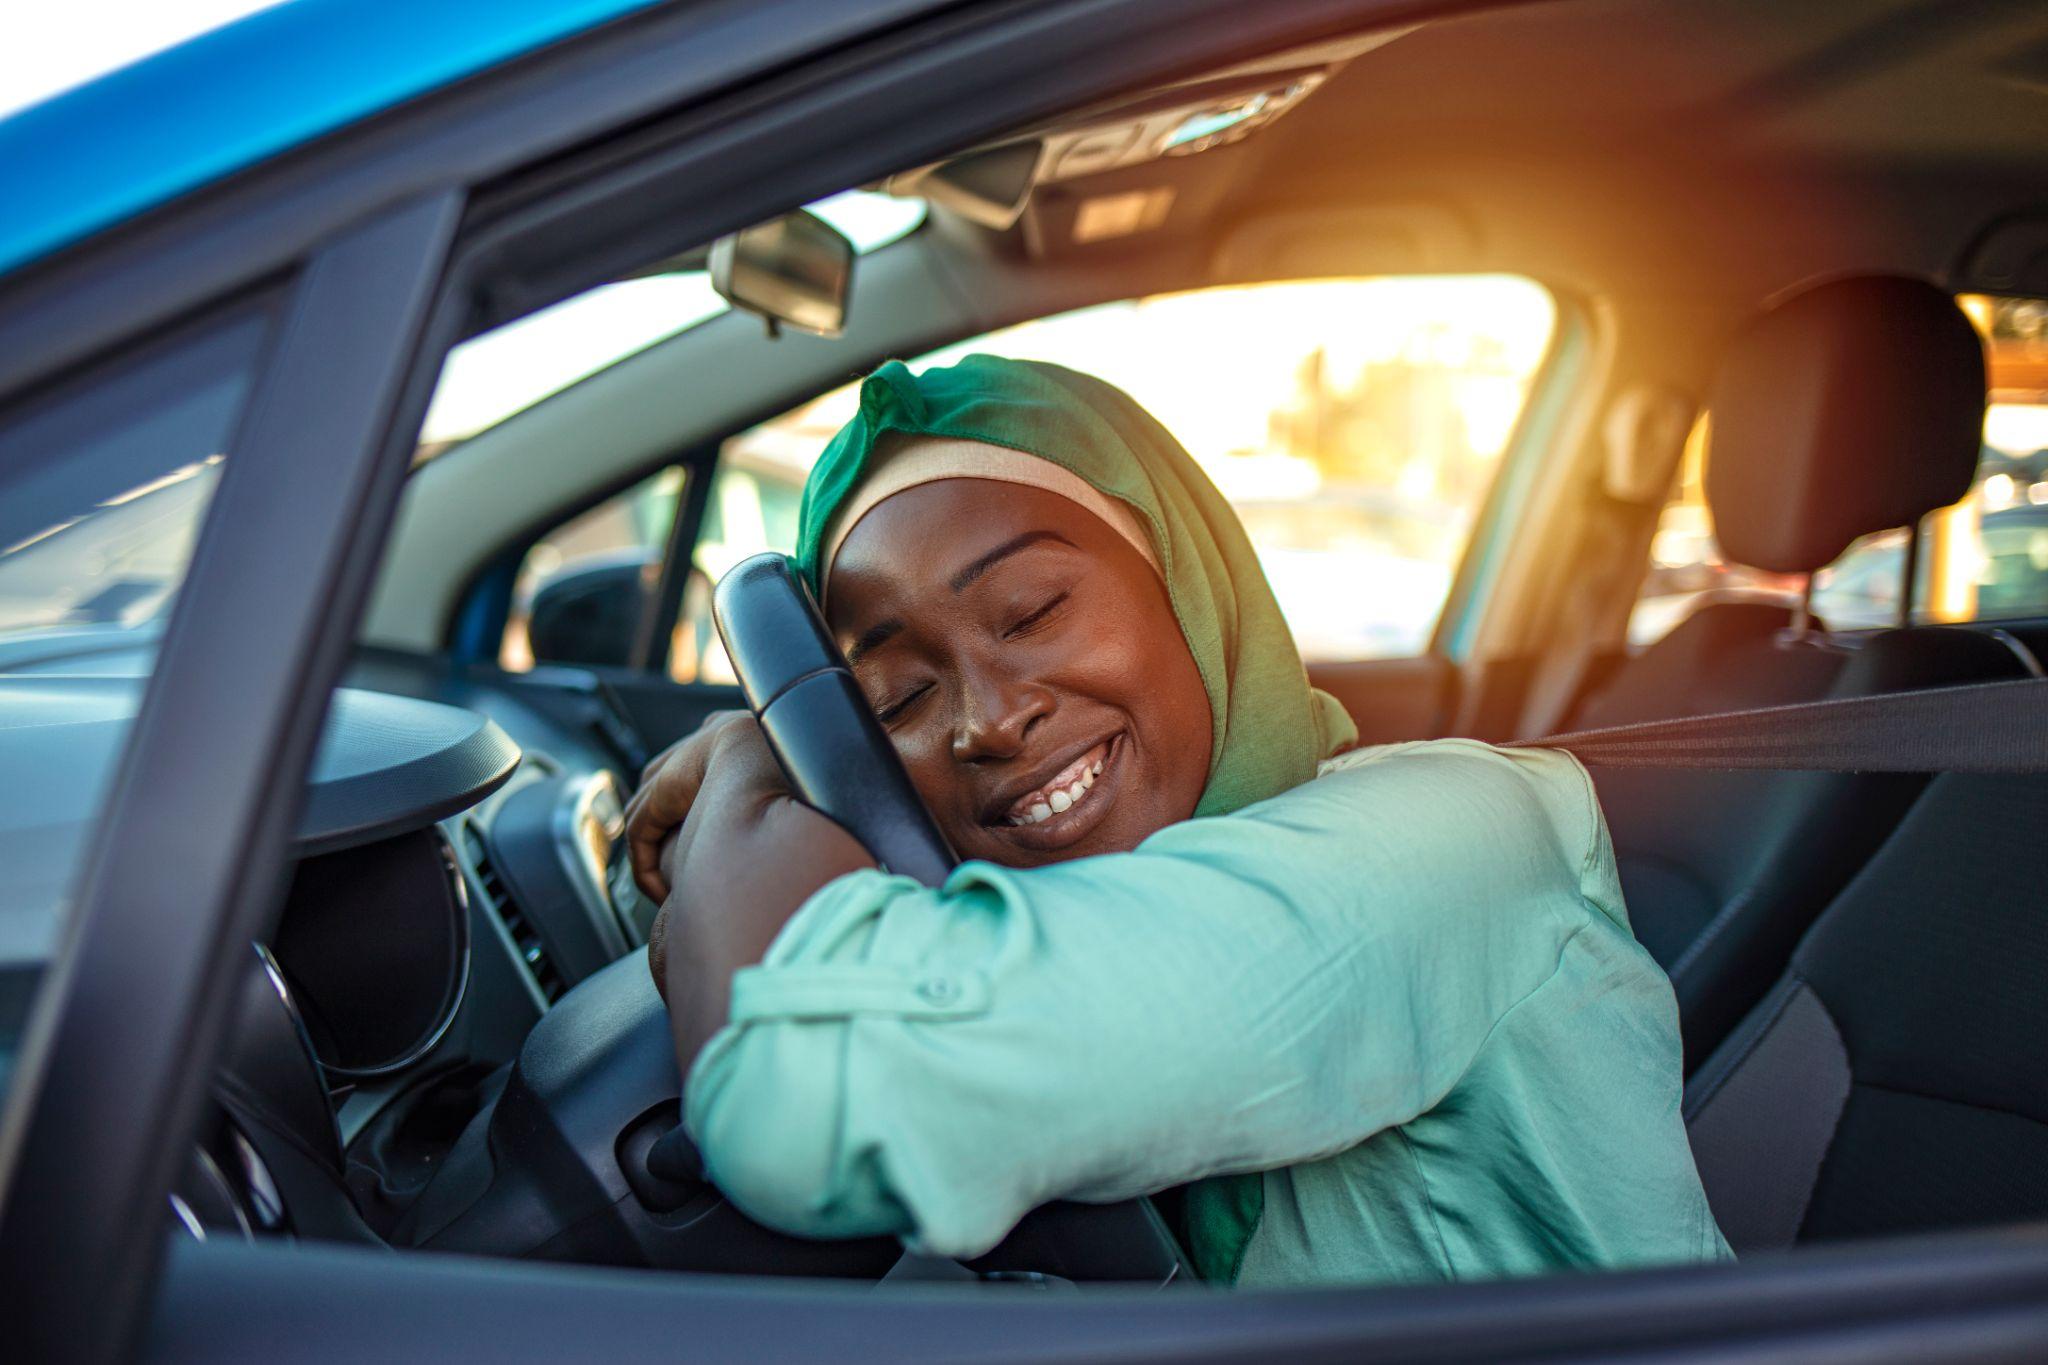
47	49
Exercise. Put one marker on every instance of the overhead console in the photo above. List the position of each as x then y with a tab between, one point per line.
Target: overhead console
997	185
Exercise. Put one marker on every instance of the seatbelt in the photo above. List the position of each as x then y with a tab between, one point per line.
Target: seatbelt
1999	727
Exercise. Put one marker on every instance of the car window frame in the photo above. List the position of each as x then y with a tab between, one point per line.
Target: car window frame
1564	379
380	290
134	991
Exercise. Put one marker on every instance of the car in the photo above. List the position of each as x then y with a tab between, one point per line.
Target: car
384	388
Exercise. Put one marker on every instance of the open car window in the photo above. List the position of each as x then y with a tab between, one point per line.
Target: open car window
1356	424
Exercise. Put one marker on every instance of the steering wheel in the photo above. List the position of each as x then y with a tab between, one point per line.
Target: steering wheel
833	751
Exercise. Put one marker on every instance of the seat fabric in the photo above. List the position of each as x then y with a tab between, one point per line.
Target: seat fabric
1685	842
1892	1081
1722	872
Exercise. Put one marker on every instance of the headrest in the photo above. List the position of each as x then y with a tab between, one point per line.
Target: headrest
1855	406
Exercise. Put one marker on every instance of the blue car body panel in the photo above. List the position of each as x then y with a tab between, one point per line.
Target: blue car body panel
143	135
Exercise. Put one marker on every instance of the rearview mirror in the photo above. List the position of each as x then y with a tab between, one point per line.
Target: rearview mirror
796	269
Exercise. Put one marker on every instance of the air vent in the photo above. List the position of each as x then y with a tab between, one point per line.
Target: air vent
524	937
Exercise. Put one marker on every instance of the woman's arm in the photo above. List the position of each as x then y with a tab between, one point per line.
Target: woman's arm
745	855
1238	994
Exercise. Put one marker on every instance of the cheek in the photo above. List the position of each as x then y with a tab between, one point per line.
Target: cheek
1102	657
927	756
1179	711
1138	662
1169	702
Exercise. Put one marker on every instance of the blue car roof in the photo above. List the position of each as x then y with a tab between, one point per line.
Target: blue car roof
145	134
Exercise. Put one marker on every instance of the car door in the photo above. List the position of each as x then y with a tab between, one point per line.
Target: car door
188	863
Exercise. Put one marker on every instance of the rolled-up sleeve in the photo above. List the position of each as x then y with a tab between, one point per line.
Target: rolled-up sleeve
1239	993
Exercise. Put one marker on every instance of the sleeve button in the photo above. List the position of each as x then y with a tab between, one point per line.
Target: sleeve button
938	989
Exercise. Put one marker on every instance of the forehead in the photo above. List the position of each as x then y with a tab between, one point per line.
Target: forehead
909	530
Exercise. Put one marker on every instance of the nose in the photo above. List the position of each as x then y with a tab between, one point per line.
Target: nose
996	714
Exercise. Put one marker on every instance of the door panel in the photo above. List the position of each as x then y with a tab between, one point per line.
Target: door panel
1392	699
1976	1298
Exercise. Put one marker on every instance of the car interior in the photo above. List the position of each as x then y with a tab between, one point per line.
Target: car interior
1773	263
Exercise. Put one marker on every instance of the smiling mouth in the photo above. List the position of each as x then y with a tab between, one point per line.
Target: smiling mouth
1068	788
1066	801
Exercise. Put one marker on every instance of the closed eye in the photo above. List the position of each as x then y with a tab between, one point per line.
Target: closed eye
889	713
1036	618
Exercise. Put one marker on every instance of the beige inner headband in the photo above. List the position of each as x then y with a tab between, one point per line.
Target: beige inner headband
927	459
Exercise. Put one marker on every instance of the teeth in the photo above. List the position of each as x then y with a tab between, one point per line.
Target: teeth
1061	799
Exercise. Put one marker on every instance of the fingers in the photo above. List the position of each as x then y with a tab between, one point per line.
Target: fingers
654	764
662	803
652	815
646	872
668	789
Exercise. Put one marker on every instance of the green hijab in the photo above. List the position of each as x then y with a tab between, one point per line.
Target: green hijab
1270	728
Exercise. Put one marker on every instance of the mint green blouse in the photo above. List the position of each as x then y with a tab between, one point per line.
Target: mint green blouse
1406	991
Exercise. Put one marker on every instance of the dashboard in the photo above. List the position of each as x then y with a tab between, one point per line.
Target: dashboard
441	904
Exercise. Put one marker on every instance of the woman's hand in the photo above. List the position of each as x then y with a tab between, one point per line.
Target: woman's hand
745	855
668	788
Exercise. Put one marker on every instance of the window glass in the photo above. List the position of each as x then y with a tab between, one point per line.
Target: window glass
1984	559
1686	569
102	490
581	589
1355	423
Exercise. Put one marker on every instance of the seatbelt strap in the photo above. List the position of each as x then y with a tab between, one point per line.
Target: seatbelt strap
1999	727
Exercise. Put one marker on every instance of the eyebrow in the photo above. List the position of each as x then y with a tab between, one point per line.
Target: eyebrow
872	637
1000	553
875	636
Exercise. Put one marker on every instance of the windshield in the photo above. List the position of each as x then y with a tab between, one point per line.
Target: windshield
509	369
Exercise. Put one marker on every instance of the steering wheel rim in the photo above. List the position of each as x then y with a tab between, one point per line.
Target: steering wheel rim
836	756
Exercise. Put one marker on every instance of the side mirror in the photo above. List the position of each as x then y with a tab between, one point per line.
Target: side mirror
796	269
590	613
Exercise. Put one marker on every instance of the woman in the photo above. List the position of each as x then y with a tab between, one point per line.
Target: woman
1380	1010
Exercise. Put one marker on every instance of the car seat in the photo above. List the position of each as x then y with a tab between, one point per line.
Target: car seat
1855	406
1891	1081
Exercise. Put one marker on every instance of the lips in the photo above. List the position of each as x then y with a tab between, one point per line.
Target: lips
1060	808
1068	788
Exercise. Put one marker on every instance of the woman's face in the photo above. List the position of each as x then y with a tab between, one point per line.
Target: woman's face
1027	665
